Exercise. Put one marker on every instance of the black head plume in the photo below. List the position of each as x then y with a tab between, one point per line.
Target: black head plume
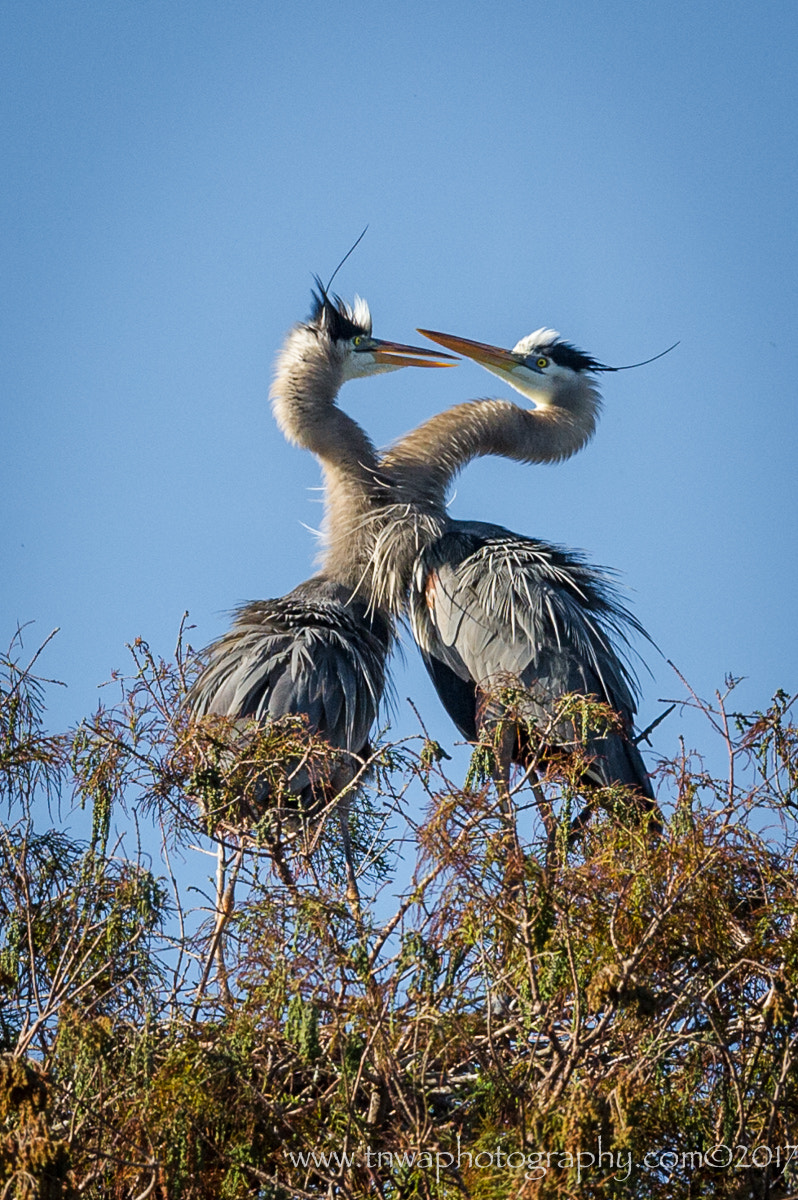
354	246
334	315
566	355
331	312
631	366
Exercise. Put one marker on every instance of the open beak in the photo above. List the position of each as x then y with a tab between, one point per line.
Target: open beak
394	354
493	358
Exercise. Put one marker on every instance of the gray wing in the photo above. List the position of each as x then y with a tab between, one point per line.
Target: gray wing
312	652
488	604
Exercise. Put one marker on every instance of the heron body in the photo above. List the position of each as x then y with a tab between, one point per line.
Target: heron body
319	652
488	606
315	653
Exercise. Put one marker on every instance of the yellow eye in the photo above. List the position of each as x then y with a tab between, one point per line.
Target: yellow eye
356	341
543	362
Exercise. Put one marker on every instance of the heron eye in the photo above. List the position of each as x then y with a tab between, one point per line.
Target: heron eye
542	362
356	341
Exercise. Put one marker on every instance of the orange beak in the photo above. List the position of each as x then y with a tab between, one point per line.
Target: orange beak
397	355
492	357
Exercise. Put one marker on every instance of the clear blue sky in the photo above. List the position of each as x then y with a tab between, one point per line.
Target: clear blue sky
174	173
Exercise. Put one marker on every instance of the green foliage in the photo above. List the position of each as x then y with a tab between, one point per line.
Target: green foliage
534	1015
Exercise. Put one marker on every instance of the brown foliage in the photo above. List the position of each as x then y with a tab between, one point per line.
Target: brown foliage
615	1017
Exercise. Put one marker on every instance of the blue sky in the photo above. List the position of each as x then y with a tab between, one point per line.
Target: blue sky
174	174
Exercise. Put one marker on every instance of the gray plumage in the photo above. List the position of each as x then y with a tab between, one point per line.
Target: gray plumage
315	653
488	606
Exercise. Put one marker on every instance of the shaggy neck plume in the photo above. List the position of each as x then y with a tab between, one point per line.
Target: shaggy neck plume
303	399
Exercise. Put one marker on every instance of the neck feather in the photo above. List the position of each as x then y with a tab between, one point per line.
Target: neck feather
425	462
303	399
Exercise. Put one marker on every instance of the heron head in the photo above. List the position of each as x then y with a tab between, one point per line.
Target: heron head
541	366
347	332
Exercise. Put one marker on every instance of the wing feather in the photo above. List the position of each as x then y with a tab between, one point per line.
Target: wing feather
505	605
314	652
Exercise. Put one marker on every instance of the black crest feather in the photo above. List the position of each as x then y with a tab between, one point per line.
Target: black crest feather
333	314
566	355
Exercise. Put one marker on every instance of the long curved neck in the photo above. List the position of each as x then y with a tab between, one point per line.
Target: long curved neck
422	465
303	398
424	462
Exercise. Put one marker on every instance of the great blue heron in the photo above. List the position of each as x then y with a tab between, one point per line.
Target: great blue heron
320	651
488	606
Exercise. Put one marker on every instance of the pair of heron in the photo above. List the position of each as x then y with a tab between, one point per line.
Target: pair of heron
484	604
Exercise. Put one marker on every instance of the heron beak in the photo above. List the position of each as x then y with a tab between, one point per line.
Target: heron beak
394	354
493	358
